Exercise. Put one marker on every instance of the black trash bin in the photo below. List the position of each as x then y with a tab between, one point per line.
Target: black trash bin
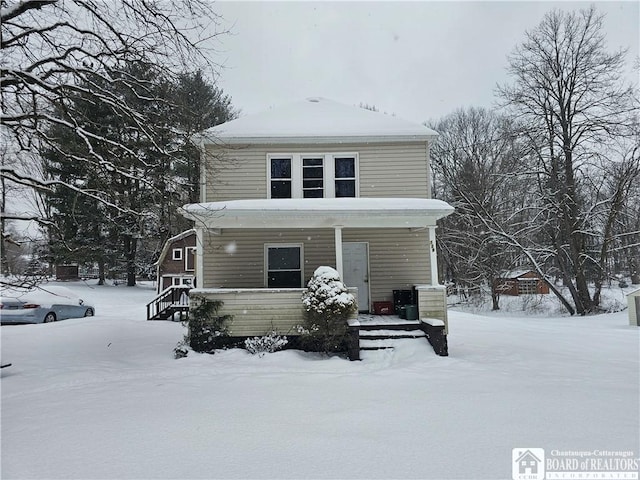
402	298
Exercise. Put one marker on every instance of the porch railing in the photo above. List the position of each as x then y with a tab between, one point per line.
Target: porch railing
169	301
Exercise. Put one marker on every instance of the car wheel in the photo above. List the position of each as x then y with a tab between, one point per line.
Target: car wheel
89	312
50	317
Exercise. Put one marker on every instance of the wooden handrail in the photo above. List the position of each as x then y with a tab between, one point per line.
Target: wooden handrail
170	296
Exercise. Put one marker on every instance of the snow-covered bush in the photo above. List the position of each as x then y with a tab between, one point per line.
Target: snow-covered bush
327	304
272	342
205	327
181	350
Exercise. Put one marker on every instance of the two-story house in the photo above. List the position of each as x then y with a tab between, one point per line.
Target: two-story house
309	184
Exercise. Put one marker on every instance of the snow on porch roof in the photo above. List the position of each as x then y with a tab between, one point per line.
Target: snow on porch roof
319	213
316	120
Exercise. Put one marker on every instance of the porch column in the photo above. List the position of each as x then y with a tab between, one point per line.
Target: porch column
433	256
338	236
199	267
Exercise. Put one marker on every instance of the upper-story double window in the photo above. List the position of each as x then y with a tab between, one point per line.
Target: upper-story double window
313	175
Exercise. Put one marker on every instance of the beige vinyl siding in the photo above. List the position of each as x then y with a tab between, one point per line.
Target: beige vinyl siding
258	312
385	170
398	258
432	303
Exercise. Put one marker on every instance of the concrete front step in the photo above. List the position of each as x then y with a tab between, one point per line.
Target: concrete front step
390	334
413	326
379	342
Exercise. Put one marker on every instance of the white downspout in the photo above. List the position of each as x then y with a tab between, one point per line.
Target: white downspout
338	241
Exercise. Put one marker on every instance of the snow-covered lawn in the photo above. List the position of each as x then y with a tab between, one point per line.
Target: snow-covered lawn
103	397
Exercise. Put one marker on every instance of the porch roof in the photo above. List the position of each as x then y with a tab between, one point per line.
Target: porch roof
319	213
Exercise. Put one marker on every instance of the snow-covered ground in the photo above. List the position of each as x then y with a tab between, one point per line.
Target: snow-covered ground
103	397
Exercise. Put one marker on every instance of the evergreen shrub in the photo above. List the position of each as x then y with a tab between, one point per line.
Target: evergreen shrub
327	305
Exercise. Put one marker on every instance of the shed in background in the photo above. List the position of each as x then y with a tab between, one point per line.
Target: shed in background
520	282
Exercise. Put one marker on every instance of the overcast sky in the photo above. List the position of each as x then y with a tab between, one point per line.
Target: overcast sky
420	60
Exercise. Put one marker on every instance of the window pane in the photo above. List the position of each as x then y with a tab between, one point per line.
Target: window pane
345	188
281	189
280	168
284	258
345	168
310	162
312	172
315	184
285	279
313	193
312	178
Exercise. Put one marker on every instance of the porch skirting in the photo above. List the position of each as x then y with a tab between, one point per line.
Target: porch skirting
258	311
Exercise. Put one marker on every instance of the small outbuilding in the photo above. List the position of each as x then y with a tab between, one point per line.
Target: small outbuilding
520	282
67	272
633	300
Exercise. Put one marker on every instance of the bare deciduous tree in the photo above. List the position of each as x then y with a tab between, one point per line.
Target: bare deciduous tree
53	50
475	167
569	96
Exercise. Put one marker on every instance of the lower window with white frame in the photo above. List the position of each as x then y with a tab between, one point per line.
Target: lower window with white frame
283	265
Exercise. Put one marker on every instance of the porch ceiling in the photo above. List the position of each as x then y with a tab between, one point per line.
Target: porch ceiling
319	213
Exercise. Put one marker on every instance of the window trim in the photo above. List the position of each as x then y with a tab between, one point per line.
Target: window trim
186	259
267	246
329	168
280	156
355	177
177	254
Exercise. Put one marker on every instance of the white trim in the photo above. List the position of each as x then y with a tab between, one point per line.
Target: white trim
186	259
338	246
356	212
176	254
433	256
293	140
356	166
281	156
199	273
267	246
329	171
203	170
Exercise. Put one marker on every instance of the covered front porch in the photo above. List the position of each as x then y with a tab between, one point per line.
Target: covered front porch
256	312
256	256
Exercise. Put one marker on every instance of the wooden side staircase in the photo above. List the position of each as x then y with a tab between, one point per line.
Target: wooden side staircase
170	301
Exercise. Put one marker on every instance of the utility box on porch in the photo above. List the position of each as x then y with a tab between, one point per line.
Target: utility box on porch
383	308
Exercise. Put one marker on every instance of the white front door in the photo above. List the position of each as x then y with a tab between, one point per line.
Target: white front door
355	263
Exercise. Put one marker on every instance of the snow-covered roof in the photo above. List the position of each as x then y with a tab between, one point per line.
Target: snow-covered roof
169	242
316	120
517	273
319	213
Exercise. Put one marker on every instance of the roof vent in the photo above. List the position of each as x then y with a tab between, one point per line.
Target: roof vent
314	99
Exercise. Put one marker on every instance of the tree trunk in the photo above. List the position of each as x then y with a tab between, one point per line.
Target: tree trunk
495	299
634	267
101	272
130	245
